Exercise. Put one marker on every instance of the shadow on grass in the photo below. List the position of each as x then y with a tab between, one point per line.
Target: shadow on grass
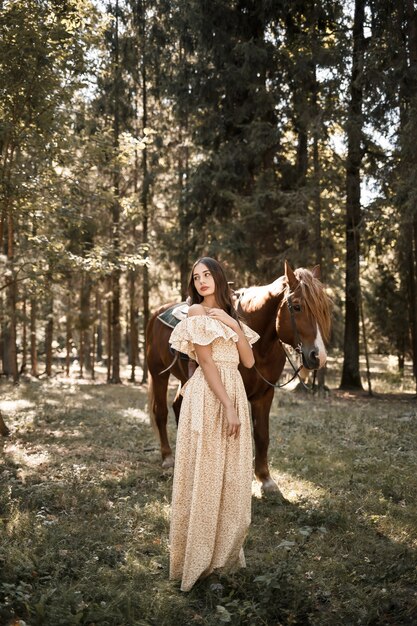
351	467
84	507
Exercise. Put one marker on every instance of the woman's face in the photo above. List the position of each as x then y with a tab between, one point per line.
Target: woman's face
203	280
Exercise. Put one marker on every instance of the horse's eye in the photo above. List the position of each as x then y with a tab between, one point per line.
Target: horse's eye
297	307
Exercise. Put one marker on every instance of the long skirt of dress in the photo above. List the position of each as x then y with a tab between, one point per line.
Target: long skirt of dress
211	499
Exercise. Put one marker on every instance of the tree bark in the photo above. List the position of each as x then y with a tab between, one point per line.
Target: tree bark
109	339
183	178
33	343
49	329
10	335
411	15
68	336
85	321
145	191
115	279
351	371
133	323
24	336
93	354
99	337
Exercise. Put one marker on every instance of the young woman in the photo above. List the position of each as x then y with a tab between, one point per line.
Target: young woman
211	498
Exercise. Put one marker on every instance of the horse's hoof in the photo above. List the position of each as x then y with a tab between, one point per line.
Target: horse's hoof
269	486
168	462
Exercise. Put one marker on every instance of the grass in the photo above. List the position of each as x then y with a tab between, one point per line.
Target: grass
84	508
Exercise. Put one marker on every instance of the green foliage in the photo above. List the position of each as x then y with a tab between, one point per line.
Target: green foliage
229	141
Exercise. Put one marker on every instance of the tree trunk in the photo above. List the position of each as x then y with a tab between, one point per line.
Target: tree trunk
183	222
33	346
109	339
10	335
81	353
115	278
115	327
412	121
351	372
133	323
24	336
49	329
183	178
93	354
85	320
68	337
145	200
7	240
2	329
317	204
99	337
3	249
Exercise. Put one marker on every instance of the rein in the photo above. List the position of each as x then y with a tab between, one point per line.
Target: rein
296	373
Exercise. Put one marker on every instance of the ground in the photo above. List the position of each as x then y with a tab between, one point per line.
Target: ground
84	508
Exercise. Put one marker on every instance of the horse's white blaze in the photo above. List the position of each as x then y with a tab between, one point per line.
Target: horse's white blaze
319	344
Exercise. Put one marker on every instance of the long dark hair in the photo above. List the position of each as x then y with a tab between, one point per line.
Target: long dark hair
223	292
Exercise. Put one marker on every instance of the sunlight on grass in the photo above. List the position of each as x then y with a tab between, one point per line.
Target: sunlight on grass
295	488
84	505
10	406
135	414
20	456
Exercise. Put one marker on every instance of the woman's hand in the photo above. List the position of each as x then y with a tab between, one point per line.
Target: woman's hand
245	351
222	316
233	422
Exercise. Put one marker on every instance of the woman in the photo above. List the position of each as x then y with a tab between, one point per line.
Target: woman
211	498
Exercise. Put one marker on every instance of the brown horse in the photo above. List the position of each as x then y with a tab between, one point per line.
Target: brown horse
293	309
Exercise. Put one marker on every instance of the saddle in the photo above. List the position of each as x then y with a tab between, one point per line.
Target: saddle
174	314
171	317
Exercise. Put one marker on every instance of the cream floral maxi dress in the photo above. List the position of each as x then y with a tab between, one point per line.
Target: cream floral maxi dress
211	498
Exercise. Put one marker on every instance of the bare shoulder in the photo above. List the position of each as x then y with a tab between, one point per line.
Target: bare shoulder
196	309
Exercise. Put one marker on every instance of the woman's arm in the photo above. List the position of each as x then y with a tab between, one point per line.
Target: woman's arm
245	351
212	376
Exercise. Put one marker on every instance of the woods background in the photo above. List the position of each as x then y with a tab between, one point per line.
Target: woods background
137	135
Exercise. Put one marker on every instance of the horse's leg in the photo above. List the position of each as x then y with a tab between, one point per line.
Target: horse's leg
183	374
176	405
260	417
158	388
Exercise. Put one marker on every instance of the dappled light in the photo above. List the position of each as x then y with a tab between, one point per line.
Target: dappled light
23	457
278	138
296	489
10	406
84	497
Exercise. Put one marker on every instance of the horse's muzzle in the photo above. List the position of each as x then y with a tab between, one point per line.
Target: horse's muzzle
311	359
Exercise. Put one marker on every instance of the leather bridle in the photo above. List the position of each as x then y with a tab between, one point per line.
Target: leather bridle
298	349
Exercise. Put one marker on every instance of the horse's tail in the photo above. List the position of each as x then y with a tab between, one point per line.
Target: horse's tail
151	404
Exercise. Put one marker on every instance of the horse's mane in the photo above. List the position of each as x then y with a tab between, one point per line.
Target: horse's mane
315	298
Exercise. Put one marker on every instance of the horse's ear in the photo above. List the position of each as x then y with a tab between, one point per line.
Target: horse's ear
290	276
316	271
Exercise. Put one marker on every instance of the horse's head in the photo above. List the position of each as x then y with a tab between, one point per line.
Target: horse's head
304	315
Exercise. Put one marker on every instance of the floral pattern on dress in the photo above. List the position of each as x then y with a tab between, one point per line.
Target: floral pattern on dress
211	498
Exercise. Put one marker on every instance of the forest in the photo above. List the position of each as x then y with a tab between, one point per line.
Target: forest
136	136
